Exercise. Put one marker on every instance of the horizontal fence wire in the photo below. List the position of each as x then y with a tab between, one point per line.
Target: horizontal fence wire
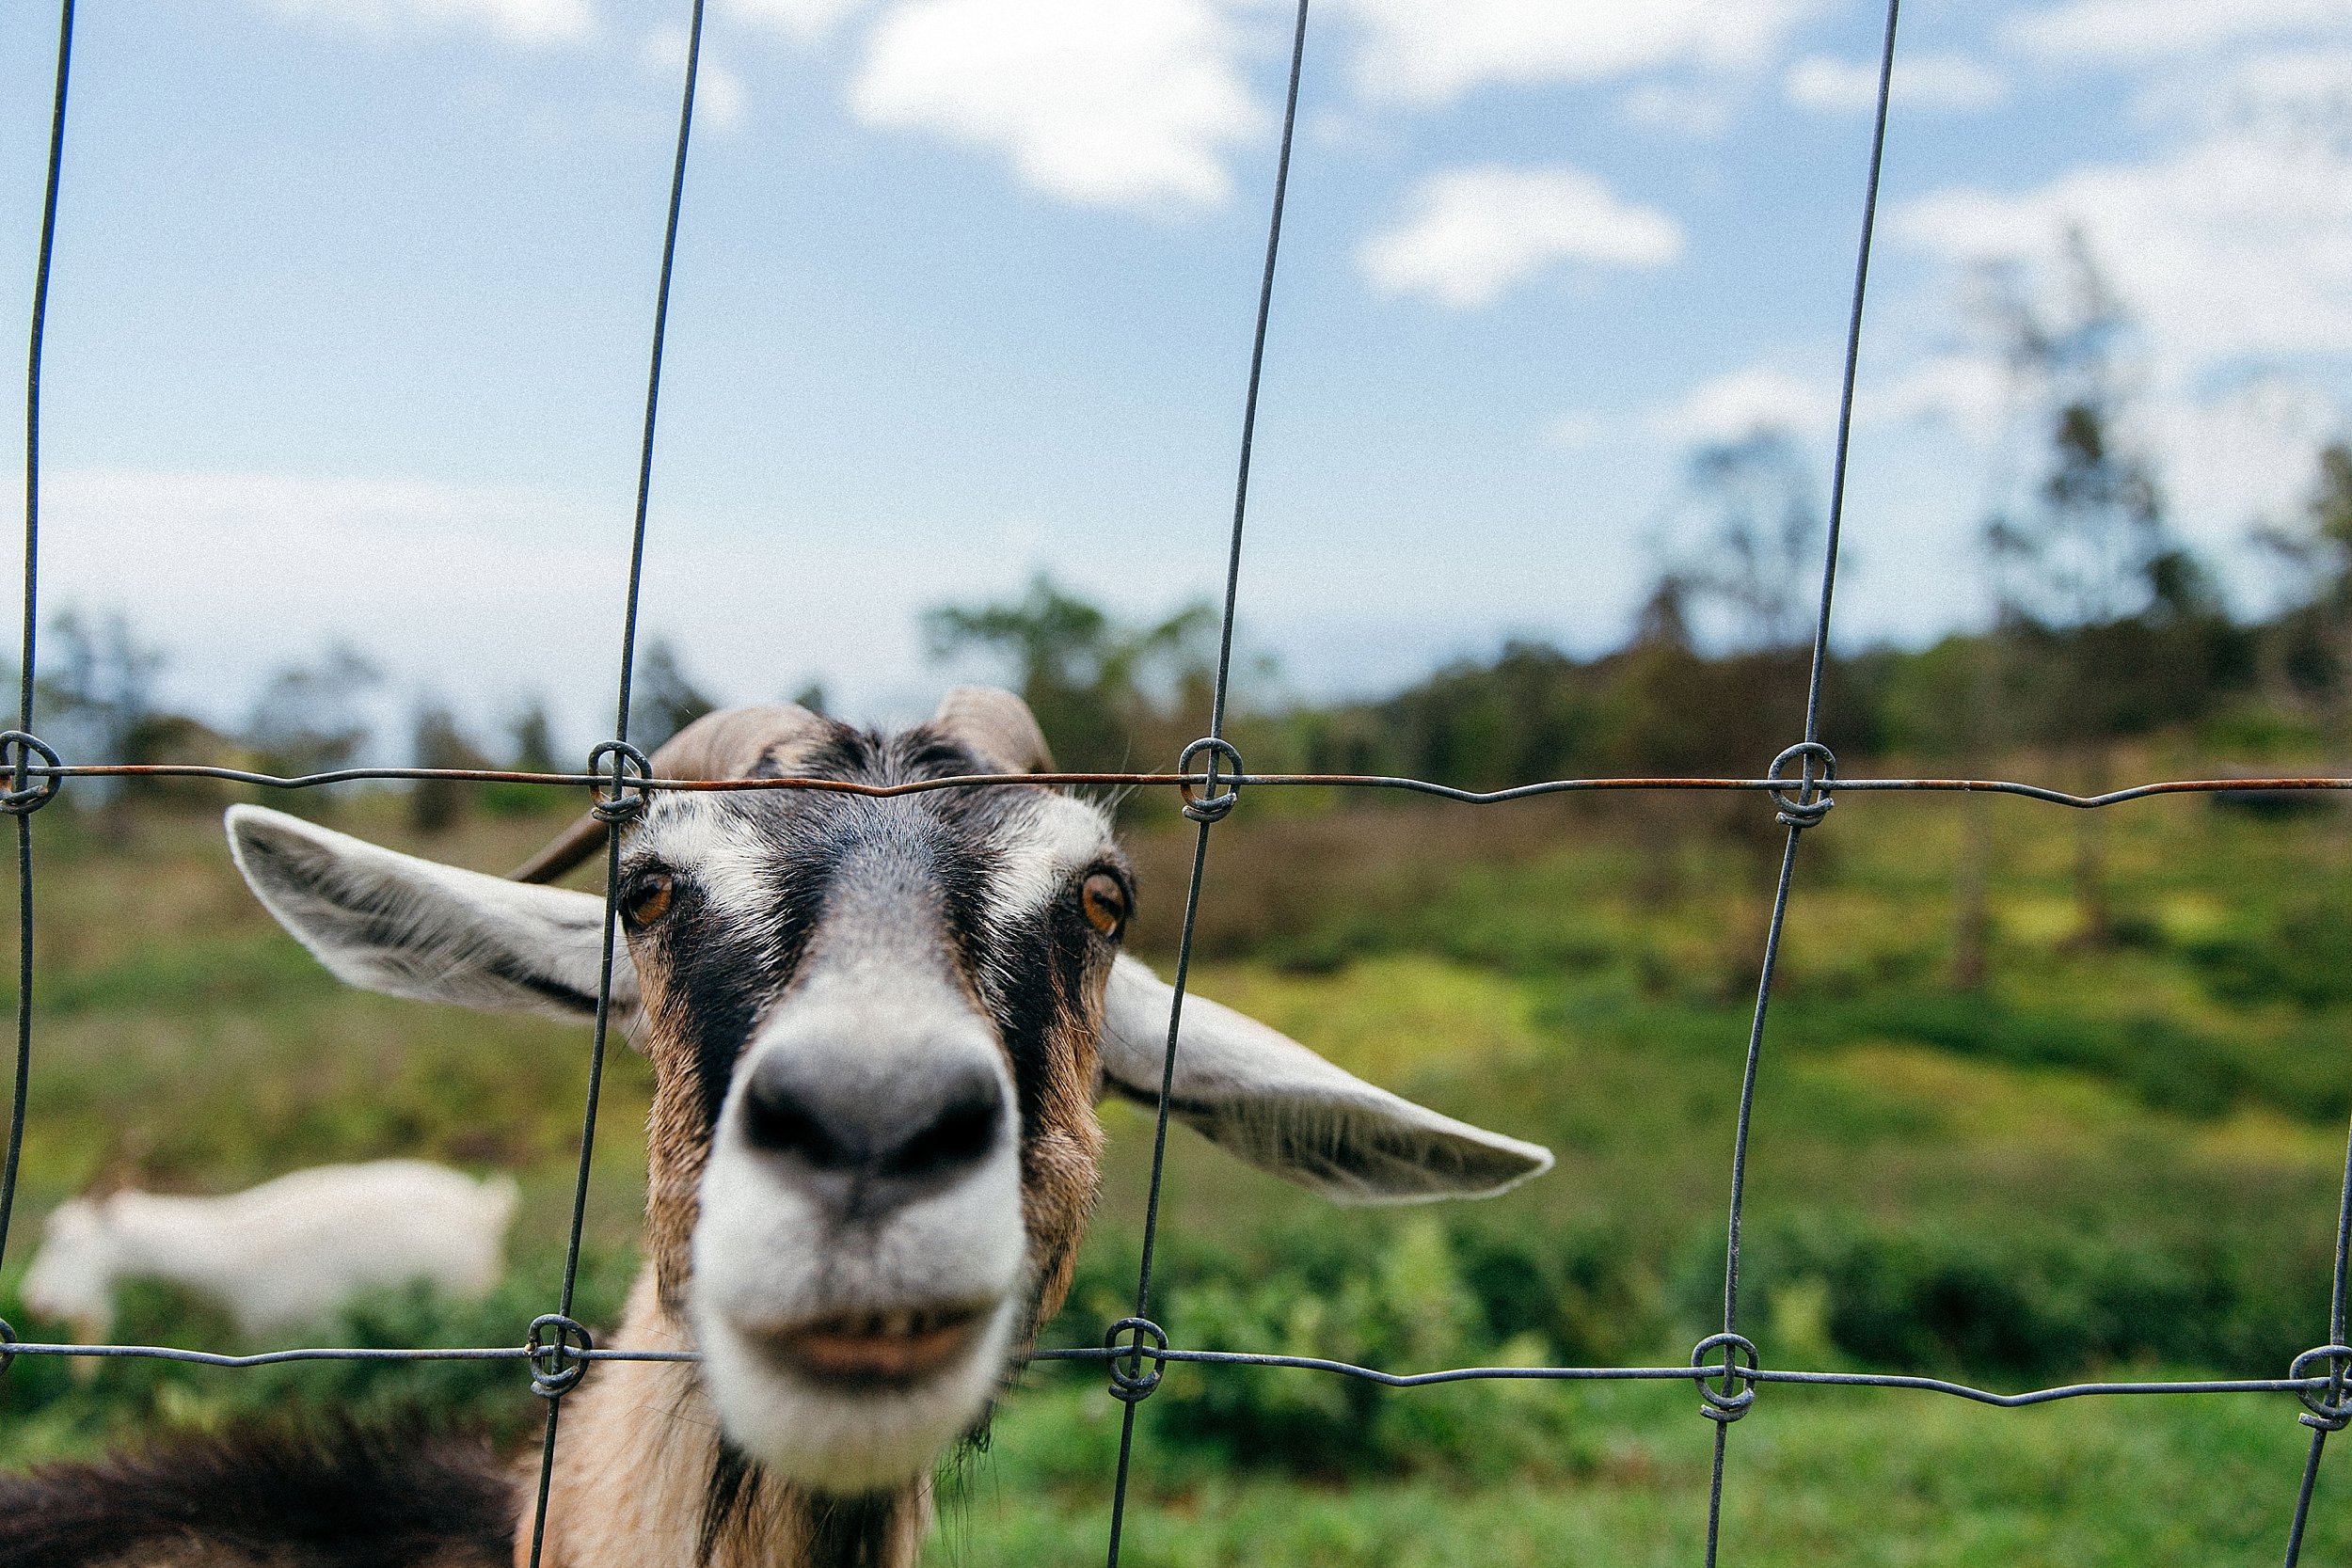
2313	1384
1201	782
333	1352
1726	1368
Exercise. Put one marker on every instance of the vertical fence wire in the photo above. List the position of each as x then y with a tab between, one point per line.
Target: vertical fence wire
1729	1401
2340	1366
24	797
1845	392
1208	808
615	809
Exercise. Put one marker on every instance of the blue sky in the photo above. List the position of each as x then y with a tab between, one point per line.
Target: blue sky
348	330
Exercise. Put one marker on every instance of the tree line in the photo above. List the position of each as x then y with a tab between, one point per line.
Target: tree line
2104	627
95	697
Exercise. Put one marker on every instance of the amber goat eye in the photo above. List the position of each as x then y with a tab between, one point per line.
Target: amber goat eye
1106	903
647	899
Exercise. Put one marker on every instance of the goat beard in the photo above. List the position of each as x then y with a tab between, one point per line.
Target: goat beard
856	1531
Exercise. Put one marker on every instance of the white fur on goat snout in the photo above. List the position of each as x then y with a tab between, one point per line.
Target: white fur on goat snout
284	1254
768	1254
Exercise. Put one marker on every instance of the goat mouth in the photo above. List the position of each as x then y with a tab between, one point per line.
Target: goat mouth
879	1350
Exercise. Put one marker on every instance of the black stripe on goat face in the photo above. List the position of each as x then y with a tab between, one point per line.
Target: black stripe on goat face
754	879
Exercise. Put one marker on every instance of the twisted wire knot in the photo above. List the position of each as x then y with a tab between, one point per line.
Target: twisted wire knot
1731	1402
1131	1383
25	794
629	767
1812	800
7	1337
1210	804
2330	1408
558	1351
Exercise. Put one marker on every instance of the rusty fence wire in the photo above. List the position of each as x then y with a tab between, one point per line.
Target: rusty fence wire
1801	786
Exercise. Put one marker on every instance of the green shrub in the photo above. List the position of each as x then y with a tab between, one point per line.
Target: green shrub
2007	1306
1395	1294
50	1408
2162	1063
2297	958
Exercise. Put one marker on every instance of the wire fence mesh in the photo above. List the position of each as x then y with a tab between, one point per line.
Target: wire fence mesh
1801	784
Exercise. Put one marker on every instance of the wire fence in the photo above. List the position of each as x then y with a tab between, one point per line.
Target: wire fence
1802	784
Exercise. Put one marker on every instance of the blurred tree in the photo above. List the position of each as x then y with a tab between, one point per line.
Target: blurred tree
1714	679
159	737
1664	618
1758	561
530	749
663	699
532	739
2087	552
308	718
1524	716
2310	643
436	805
2088	546
95	692
1099	689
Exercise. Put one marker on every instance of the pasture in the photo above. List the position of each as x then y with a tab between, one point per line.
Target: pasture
2113	1158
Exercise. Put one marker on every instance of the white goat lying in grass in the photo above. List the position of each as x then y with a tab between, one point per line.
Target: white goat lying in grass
281	1254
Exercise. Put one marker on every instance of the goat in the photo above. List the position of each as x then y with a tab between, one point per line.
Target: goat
281	1254
879	1028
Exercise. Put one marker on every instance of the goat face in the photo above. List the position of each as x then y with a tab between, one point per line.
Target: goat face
879	1027
875	1142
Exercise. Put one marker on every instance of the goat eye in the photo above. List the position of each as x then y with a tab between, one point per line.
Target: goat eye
647	899
1104	902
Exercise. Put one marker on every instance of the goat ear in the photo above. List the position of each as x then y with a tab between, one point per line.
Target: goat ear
1277	1105
394	923
995	724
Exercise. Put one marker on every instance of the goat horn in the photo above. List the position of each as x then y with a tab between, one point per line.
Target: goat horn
732	743
995	724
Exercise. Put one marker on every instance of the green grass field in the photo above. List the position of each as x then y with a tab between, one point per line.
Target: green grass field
2121	1159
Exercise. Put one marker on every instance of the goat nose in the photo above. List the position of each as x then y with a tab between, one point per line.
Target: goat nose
928	1125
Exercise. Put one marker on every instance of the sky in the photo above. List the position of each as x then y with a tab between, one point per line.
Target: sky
352	301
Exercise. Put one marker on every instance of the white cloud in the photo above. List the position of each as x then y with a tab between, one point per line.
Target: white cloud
1956	81
2236	245
2245	453
239	572
2298	98
1470	234
1414	50
2143	29
1739	403
1127	104
719	96
2230	242
1970	392
1577	429
526	22
1685	109
804	20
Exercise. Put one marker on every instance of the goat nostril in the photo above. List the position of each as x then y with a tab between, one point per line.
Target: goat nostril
933	1122
777	1117
960	1133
